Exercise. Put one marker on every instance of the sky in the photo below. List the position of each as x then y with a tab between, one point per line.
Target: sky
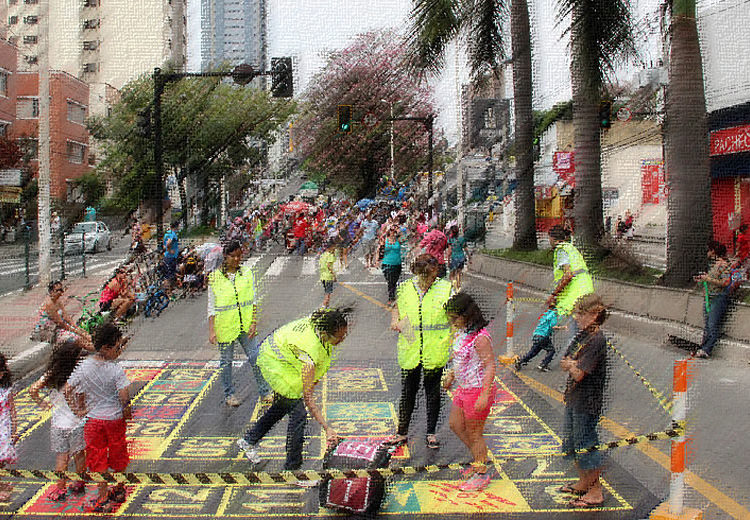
307	29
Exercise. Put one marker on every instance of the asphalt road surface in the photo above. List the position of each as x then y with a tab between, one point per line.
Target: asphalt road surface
182	425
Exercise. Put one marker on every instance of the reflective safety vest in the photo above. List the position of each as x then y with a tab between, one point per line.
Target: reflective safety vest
234	303
428	339
580	285
283	353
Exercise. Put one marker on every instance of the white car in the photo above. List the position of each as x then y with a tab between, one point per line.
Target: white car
96	235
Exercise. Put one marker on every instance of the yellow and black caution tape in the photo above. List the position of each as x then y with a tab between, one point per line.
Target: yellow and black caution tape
250	478
663	402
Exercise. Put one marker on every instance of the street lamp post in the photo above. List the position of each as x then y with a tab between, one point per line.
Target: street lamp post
393	159
428	123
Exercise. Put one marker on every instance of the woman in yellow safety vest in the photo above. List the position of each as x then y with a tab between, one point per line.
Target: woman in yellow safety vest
423	343
232	318
293	359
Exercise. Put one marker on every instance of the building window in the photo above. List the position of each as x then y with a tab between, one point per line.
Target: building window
76	112
30	147
90	67
27	108
90	3
76	152
4	126
31	1
31	60
4	83
91	45
30	20
91	24
12	2
12	20
29	39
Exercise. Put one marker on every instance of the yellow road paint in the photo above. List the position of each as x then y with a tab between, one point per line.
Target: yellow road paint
702	486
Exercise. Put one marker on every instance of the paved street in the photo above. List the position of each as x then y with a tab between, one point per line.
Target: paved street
181	423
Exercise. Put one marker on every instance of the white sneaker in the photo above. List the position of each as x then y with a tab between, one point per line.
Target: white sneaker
307	483
251	453
233	401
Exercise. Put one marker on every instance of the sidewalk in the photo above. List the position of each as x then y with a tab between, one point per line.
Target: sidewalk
18	315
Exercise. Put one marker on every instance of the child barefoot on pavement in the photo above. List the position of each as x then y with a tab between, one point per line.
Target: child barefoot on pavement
66	432
105	388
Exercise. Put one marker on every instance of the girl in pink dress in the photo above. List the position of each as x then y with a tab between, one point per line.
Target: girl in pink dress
473	371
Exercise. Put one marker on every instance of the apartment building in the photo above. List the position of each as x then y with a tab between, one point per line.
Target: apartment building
233	31
101	41
69	139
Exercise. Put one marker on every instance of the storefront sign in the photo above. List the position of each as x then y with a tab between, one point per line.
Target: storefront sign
10	177
730	140
10	195
563	165
652	181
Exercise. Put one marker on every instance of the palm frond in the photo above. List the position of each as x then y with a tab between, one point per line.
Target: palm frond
484	35
604	27
433	24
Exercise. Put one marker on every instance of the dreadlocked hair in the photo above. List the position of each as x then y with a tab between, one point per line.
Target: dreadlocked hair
62	362
331	320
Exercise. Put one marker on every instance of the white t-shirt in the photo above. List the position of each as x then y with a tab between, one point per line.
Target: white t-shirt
100	381
63	417
562	258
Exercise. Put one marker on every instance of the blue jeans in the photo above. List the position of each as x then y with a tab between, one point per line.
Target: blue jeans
301	248
539	343
579	432
226	352
718	307
295	432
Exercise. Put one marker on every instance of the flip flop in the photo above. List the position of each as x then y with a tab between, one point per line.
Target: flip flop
396	440
432	442
568	488
57	494
581	502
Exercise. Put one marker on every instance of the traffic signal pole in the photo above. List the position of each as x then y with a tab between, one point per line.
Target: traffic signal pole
242	74
428	123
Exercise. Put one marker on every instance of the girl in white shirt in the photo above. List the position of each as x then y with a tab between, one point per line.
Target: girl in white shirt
66	432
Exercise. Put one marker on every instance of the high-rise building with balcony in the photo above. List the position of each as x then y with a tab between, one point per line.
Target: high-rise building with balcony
233	31
101	41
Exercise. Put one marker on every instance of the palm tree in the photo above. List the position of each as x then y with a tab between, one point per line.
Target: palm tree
686	145
600	36
437	22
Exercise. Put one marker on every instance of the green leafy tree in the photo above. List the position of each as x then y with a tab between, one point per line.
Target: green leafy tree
687	151
601	36
435	23
208	128
370	70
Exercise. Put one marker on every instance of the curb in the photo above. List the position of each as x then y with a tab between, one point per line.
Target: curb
659	330
29	360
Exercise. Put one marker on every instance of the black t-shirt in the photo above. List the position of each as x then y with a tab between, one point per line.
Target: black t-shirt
590	352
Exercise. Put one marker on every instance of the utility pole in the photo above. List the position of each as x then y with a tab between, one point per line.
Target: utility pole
393	158
43	201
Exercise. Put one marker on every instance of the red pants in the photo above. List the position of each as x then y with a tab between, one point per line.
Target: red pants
105	445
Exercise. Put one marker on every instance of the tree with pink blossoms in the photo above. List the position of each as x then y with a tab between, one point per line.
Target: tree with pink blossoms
372	69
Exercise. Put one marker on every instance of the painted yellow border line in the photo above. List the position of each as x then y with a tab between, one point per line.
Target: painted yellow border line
702	486
724	502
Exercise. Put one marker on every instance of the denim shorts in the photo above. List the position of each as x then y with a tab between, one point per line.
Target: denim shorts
579	432
456	264
327	286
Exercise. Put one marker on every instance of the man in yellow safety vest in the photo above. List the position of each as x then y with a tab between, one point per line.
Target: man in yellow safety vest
233	317
293	359
423	343
572	281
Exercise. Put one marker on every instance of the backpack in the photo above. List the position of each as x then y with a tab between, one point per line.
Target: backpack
355	495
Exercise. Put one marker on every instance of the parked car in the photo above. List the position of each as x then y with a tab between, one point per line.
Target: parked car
95	234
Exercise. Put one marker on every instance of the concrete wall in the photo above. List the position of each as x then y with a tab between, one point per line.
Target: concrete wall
678	306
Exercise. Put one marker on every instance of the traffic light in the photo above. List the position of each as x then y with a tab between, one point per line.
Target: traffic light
282	83
143	122
345	118
536	152
605	114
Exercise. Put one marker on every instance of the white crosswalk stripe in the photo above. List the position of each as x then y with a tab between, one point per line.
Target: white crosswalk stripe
277	266
310	266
